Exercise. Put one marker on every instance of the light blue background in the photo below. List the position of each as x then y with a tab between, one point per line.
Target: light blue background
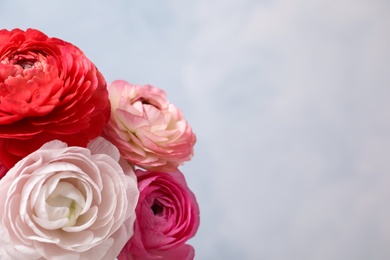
290	101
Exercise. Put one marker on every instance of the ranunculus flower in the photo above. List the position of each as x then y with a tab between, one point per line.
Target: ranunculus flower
3	170
48	90
148	130
182	252
65	202
167	216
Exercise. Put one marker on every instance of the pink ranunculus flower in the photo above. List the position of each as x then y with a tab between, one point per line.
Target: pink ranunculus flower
182	252
149	131
167	216
63	202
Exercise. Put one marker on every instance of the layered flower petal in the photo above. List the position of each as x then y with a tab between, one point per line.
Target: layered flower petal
149	131
3	170
48	90
167	216
65	202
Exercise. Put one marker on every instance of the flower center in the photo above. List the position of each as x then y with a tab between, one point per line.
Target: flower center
25	60
26	64
157	208
145	101
65	202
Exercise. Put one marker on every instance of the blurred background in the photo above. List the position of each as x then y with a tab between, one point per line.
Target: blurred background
290	101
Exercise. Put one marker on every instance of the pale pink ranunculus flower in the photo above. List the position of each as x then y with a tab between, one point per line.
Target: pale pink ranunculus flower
167	217
149	131
63	202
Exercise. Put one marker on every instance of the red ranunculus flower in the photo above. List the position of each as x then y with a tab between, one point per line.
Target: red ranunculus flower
3	170
48	90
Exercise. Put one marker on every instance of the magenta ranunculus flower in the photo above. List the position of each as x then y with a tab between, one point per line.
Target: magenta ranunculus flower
48	90
63	202
167	216
149	131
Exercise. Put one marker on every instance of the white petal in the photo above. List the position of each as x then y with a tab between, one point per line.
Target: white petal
102	146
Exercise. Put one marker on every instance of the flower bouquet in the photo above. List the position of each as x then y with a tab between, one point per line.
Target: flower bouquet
88	170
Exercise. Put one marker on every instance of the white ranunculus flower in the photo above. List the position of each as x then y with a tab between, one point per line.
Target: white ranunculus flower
64	202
